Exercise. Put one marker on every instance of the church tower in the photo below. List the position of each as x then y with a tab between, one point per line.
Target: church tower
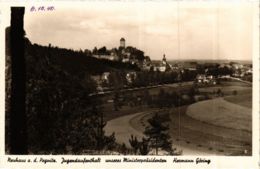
122	42
164	60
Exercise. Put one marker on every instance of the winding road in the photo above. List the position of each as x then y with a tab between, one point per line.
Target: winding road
123	128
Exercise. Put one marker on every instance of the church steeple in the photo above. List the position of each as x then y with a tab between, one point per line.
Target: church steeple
164	59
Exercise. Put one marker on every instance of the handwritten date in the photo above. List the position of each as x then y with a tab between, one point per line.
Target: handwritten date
42	8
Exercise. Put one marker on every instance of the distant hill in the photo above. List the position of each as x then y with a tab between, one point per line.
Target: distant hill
202	61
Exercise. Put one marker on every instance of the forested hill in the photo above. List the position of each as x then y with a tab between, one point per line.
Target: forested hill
71	61
77	62
61	116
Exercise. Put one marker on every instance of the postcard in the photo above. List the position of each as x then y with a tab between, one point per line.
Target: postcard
133	84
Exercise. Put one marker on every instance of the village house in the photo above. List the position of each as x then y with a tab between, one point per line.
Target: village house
147	64
125	59
108	55
236	65
175	67
130	77
203	79
97	79
105	77
249	71
101	56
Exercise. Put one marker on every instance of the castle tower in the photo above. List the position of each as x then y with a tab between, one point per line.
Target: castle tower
122	42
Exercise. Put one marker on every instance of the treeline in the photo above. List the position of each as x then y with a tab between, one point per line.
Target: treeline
118	80
139	79
214	69
154	78
77	62
163	99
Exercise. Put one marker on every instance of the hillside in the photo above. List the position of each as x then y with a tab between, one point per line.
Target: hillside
57	87
71	61
77	62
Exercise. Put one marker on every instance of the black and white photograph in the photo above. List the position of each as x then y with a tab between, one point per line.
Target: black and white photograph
130	78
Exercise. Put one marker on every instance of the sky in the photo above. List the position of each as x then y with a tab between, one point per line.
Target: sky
206	30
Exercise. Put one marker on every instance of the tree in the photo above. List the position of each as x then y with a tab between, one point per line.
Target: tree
103	51
95	50
116	82
123	149
134	143
18	128
87	52
98	120
146	96
136	53
219	93
144	147
158	135
139	146
192	92
102	142
116	99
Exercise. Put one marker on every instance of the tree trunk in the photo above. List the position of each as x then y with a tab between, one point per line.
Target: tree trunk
18	129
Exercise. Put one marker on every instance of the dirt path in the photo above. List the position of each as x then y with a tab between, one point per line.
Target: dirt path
122	128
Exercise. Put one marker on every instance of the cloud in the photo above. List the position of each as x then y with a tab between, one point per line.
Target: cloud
153	27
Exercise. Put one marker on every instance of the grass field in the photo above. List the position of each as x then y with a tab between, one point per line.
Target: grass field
232	111
222	113
242	100
232	82
227	90
188	131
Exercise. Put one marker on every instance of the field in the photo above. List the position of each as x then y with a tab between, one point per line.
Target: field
188	131
234	110
219	126
222	113
228	118
243	100
228	87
